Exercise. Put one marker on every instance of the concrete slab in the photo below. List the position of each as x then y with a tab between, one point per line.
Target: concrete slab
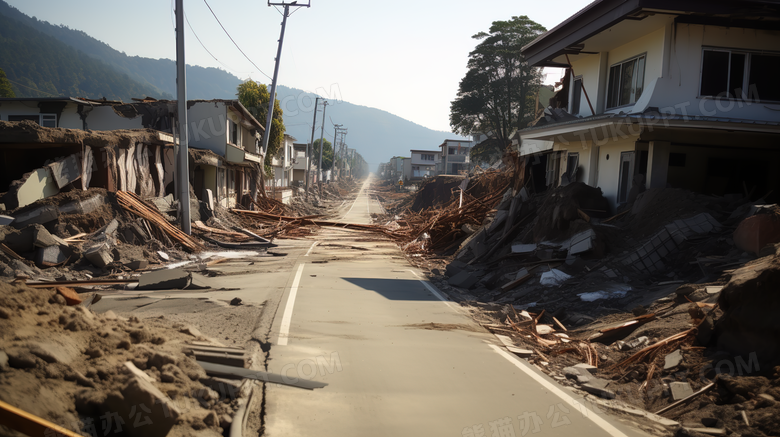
140	391
680	390
166	279
66	170
42	214
99	255
523	248
673	360
455	267
598	387
51	256
464	279
581	242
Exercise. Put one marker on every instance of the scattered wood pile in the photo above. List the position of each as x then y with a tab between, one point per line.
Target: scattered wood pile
132	203
438	229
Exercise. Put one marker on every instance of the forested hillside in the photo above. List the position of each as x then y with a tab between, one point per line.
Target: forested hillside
39	65
158	75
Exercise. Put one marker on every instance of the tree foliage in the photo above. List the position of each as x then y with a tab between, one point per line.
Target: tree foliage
255	96
327	154
496	94
5	87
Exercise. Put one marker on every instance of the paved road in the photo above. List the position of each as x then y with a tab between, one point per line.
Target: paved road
399	359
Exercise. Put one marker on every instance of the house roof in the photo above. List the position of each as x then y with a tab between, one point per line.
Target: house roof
426	151
651	118
568	36
27	132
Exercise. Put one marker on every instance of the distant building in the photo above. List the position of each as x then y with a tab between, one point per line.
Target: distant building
424	163
455	157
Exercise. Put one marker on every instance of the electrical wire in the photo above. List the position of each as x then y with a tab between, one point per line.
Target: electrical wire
204	46
34	89
234	42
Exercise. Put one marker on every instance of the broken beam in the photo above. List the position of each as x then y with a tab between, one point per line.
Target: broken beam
80	283
30	424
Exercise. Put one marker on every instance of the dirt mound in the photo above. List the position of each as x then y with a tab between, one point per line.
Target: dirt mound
66	365
751	304
560	209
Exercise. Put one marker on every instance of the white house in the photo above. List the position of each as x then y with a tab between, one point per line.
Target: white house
682	93
454	156
424	163
300	162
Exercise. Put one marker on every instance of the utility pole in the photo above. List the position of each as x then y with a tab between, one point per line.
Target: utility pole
270	115
336	151
310	147
181	97
322	143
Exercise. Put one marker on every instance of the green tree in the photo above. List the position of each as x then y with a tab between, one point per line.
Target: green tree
495	96
255	96
327	154
5	86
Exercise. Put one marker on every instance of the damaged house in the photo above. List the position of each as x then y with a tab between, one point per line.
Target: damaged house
224	140
661	94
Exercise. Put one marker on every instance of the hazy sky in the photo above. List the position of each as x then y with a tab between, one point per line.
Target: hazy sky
406	57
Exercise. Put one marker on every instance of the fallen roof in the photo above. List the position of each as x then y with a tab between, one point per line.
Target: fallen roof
25	132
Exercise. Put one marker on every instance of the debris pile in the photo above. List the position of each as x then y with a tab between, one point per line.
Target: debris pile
63	363
633	298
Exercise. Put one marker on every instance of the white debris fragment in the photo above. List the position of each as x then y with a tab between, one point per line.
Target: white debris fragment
613	291
554	278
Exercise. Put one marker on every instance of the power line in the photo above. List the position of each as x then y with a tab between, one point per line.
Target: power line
34	89
204	46
234	42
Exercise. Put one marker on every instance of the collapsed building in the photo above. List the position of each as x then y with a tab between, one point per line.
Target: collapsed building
224	140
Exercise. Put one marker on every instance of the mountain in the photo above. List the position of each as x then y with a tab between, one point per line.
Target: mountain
63	61
39	65
378	135
157	75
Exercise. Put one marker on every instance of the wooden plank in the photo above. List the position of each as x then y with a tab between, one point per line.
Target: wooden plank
80	283
516	282
30	424
237	372
560	325
583	215
7	250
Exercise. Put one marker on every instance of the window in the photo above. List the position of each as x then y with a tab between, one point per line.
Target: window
626	175
626	82
572	164
232	132
576	96
45	120
426	157
450	151
741	75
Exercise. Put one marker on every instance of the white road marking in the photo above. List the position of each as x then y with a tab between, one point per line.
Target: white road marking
312	248
553	387
434	290
284	330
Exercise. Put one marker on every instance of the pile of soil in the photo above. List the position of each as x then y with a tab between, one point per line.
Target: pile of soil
66	365
751	304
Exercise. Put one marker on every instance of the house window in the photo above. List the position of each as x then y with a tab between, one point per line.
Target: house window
626	176
576	96
450	151
572	163
232	132
741	75
45	120
626	82
426	157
